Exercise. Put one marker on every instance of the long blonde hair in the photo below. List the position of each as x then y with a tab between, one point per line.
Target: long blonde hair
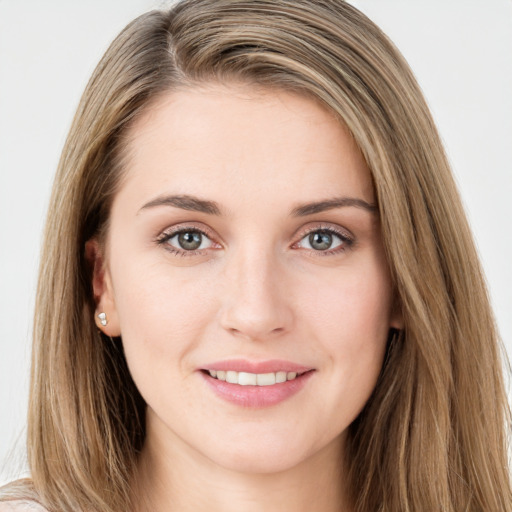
433	437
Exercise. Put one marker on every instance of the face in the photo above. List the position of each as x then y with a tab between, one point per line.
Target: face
244	244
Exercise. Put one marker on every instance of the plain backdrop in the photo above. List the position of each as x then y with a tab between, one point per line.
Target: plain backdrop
460	51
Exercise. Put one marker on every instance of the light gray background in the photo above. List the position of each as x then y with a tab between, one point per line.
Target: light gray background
460	50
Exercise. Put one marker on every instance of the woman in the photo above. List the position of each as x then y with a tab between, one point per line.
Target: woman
258	287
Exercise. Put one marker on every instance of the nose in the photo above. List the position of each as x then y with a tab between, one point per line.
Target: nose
256	303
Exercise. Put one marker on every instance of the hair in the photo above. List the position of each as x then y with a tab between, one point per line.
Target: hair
434	434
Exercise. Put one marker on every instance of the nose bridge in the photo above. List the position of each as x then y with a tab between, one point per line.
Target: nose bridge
255	304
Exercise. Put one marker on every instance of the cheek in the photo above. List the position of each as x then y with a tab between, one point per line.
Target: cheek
350	320
354	304
163	317
161	312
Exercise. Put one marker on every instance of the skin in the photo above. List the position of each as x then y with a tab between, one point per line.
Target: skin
256	289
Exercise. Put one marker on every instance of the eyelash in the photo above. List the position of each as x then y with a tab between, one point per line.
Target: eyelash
167	235
347	242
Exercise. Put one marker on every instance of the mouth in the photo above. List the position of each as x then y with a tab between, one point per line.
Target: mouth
254	379
256	384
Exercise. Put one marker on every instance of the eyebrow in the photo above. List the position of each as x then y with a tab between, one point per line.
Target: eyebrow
330	204
185	202
192	203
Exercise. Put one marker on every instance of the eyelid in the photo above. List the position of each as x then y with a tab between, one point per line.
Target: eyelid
172	231
347	238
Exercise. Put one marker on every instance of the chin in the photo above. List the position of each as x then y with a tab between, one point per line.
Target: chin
262	462
267	454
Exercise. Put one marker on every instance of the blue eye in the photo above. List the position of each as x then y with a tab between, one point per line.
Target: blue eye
188	240
324	240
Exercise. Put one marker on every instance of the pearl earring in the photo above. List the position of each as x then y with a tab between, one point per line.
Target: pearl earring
103	319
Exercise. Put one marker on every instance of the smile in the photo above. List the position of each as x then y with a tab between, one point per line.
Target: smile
253	379
256	384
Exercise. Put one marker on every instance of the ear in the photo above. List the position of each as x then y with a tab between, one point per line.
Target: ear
102	289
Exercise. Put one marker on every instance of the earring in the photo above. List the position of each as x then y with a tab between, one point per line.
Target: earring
103	319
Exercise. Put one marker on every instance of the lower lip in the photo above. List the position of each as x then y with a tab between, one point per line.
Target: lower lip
257	396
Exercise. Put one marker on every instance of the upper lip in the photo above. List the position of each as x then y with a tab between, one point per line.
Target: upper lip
269	366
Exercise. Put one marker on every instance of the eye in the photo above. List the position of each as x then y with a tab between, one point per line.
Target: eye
186	240
325	240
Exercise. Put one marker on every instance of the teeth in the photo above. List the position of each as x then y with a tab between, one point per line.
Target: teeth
253	379
232	377
246	379
281	377
266	379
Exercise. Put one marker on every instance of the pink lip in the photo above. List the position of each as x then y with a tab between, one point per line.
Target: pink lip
270	366
256	396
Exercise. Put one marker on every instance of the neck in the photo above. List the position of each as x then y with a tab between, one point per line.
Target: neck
174	477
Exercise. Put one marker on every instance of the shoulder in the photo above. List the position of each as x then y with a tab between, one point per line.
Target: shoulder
21	506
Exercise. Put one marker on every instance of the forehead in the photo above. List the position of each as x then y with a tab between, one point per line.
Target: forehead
243	139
